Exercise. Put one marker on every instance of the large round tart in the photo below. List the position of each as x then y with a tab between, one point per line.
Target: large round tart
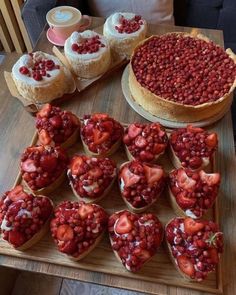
182	77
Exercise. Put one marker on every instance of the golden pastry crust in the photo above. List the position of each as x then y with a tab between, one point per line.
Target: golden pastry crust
175	111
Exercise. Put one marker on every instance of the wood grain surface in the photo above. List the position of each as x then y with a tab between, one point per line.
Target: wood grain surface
17	129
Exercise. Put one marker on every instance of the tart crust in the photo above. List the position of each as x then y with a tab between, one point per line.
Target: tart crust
175	111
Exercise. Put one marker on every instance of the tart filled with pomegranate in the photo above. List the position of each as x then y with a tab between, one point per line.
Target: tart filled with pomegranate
141	184
182	77
24	218
145	142
43	168
57	127
135	238
193	148
40	77
88	53
194	246
101	135
193	193
91	178
124	31
78	227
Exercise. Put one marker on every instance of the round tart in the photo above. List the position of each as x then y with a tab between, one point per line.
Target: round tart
88	54
24	218
91	178
193	148
135	238
192	193
182	77
124	31
145	142
43	168
78	227
140	184
40	77
194	246
101	135
57	127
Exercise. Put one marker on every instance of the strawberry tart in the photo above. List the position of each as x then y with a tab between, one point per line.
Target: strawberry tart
182	77
88	54
40	77
124	31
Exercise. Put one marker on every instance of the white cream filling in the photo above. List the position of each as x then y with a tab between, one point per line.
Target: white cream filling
90	188
189	213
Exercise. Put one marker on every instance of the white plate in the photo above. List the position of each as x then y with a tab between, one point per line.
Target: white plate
167	123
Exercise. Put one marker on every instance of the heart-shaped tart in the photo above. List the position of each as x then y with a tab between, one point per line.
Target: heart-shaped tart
91	178
145	142
192	193
57	127
141	184
194	246
135	238
101	135
43	168
78	227
24	218
193	148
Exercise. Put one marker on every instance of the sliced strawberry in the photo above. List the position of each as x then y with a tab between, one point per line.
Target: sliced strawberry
69	247
153	174
44	137
191	226
48	163
184	181
99	137
184	201
65	232
99	116
210	178
45	111
28	166
140	141
211	140
123	225
159	148
129	177
133	131
77	165
192	129
107	125
185	265
213	255
17	193
16	238
142	254
95	172
84	210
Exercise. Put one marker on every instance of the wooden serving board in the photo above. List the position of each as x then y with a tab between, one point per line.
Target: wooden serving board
102	259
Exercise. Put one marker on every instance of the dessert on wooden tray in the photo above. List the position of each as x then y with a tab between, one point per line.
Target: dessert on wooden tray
124	31
40	77
24	218
88	54
182	77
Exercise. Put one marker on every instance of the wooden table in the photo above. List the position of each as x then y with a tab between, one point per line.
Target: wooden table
17	129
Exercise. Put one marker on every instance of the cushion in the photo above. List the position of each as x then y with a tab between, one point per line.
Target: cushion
153	11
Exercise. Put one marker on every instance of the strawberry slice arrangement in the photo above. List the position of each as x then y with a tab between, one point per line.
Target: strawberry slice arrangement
91	178
129	26
56	127
141	184
145	142
23	217
194	246
192	147
193	193
101	135
43	168
78	227
134	238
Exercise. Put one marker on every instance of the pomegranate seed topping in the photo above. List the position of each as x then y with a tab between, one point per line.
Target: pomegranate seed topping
24	70
129	26
88	45
37	76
